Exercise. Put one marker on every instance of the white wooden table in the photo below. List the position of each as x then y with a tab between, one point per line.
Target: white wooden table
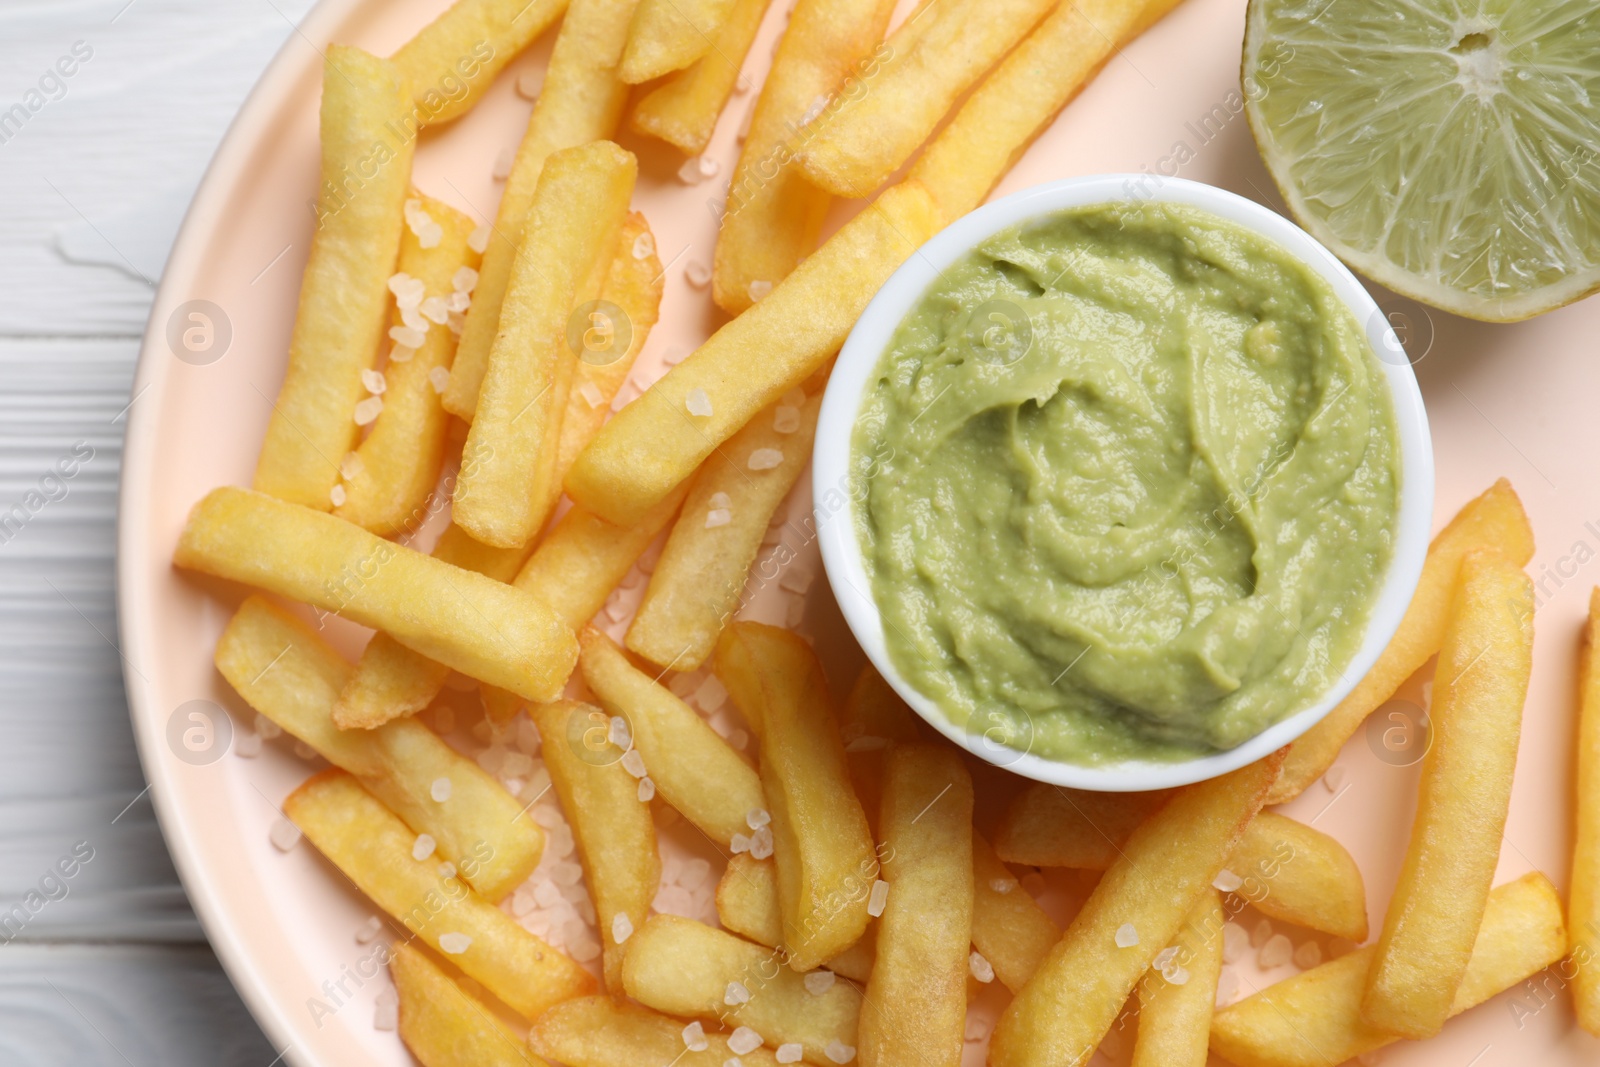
93	183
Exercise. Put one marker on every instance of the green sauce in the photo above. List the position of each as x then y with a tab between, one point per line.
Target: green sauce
1130	476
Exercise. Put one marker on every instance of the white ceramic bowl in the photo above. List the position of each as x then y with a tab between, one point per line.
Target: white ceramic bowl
841	548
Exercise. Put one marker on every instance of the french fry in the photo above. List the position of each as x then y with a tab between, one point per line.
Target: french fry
919	979
747	904
455	58
773	214
655	442
694	770
1584	895
1288	870
601	1032
1314	1018
684	968
1008	926
1496	520
859	144
1175	1004
1480	684
373	848
366	109
289	674
581	101
445	1026
1166	867
508	474
1018	99
398	464
699	581
615	835
873	716
822	846
683	110
669	35
464	620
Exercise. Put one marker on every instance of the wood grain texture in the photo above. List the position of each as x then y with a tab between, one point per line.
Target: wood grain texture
107	966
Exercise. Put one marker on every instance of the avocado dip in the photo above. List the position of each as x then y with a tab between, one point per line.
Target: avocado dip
1129	477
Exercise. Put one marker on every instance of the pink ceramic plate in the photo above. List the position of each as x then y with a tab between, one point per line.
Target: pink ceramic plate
1503	400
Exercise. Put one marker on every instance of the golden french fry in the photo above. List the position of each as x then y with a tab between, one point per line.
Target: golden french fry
1493	520
373	848
1584	894
289	674
445	1026
366	113
773	214
919	979
873	716
601	1032
615	834
694	770
860	142
1314	1018
1287	869
822	846
684	968
683	110
467	621
657	441
1008	926
1480	683
1165	868
390	682
1018	99
398	464
747	904
1175	1003
508	466
699	581
455	58
581	101
669	35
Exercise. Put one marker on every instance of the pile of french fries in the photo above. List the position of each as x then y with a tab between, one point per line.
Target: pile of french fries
877	878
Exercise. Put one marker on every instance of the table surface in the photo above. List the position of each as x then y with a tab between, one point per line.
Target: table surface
92	188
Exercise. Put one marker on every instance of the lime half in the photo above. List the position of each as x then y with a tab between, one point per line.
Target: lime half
1450	151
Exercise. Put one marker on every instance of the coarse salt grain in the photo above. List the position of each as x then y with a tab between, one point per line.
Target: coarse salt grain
1165	958
1176	975
739	739
399	282
786	419
1308	955
718	517
819	982
440	789
839	1052
439	378
284	835
1226	881
735	994
698	274
464	280
248	746
795	614
565	874
739	843
743	1041
1278	951
1227	989
478	239
413	318
386	1011
633	763
976	1030
980	968
710	695
1335	777
1002	885
352	466
267	728
1127	936
761	843
621	927
694	1037
447	870
369	930
436	309
764	459
690	173
709	168
454	944
503	162
619	733
373	381
401	354
338	495
406	335
647	790
789	1052
878	898
644	246
591	394
720	500
423	847
305	751
1235	942
797	579
698	403
368	410
759	290
1261	933
756	818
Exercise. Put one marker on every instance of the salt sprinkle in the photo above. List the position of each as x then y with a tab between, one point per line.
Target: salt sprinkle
352	466
644	246
447	870
1226	881
735	994
618	733
1176	976
1227	988
1261	933
759	290
502	164
454	944
400	282
786	419
423	847
305	751
367	411
699	275
267	728
284	835
819	982
709	168
464	280
720	500
633	763
401	354
338	495
1308	955
586	949
756	818
478	239
764	459
1165	958
797	579
546	894
1235	941
436	309
413	318
647	790
761	843
1127	936
698	403
740	843
386	1011
529	82
980	968
591	394
1334	778
710	695
694	1036
739	739
789	1052
718	517
369	930
743	1040
1002	885
839	1052
691	172
674	356
621	927
248	746
1278	951
406	335
976	1029
373	381
440	789
439	378
796	613
878	898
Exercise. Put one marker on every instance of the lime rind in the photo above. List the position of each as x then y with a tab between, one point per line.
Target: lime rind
1449	151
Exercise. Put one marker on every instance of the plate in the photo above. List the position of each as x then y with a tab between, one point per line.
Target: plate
1503	400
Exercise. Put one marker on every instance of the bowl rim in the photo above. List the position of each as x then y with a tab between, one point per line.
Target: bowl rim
835	501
